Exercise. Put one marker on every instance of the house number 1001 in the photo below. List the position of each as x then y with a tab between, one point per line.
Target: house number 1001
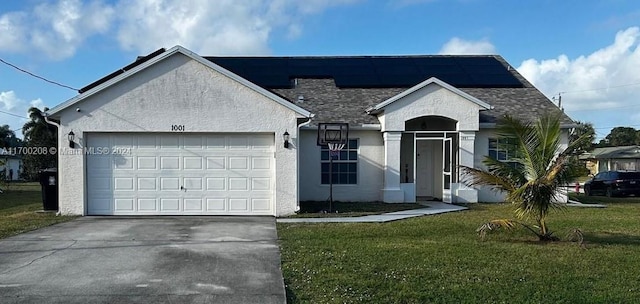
177	128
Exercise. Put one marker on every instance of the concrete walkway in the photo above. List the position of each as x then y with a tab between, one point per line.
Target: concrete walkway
572	203
433	208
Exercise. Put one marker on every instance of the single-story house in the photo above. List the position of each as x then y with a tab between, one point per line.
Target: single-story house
10	165
176	133
612	158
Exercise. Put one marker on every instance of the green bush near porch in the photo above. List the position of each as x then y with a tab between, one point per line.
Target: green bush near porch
441	259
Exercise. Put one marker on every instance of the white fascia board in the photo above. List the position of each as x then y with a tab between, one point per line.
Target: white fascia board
362	127
493	125
192	55
432	80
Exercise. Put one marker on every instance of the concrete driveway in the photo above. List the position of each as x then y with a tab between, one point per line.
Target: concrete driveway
144	260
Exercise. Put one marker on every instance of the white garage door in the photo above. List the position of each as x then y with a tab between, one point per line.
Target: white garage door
180	174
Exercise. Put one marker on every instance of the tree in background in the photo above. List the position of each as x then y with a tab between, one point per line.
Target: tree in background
587	135
38	133
621	136
8	137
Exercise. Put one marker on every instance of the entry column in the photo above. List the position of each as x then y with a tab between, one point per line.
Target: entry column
463	193
392	192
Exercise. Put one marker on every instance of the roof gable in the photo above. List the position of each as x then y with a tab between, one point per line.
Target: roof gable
136	67
377	108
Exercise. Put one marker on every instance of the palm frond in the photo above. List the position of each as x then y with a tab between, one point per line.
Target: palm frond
495	225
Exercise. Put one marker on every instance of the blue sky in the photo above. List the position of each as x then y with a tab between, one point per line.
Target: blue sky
588	50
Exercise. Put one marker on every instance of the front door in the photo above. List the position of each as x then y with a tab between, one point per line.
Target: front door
429	168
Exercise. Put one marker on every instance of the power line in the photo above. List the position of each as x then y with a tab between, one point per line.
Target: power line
36	76
12	114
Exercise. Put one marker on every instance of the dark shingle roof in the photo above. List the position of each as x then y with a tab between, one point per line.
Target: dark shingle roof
628	152
330	101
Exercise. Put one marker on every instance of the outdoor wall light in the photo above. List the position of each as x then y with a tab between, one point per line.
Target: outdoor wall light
286	137
71	136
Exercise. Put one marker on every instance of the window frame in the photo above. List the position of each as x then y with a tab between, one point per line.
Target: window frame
502	147
351	159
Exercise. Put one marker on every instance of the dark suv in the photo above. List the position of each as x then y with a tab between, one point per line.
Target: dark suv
614	183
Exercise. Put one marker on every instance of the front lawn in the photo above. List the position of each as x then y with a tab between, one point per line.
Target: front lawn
440	259
18	206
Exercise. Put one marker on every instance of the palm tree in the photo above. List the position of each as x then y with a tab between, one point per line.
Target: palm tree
38	133
533	177
37	129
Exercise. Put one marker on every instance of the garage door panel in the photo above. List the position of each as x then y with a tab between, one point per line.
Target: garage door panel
260	183
177	174
149	142
169	183
216	184
260	204
147	163
147	184
170	205
122	162
169	142
124	204
192	163
169	162
147	204
123	184
193	204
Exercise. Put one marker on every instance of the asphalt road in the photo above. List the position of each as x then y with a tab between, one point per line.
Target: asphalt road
144	260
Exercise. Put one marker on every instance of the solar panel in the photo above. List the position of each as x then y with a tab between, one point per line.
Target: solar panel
378	71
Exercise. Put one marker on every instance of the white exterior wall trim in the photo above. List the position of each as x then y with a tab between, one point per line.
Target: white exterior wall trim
192	55
432	80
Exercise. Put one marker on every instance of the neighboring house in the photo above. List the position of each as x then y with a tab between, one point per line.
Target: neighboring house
612	158
177	133
10	166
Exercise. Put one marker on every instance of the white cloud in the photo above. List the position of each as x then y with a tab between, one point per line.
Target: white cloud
11	103
457	46
599	80
13	31
57	29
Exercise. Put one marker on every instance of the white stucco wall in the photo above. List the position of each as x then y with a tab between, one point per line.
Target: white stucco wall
177	91
430	100
370	172
485	194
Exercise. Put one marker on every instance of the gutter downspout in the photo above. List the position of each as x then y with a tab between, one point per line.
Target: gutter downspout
298	160
57	125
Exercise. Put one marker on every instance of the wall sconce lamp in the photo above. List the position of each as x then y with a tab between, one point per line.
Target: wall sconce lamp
71	136
286	137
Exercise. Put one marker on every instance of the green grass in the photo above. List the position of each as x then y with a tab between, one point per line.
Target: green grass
346	209
18	206
440	259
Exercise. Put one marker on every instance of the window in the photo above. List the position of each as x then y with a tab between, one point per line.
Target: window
501	148
345	164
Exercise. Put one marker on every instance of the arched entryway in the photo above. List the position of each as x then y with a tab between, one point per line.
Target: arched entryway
429	157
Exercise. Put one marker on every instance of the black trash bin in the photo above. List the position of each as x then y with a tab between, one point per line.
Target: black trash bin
49	184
